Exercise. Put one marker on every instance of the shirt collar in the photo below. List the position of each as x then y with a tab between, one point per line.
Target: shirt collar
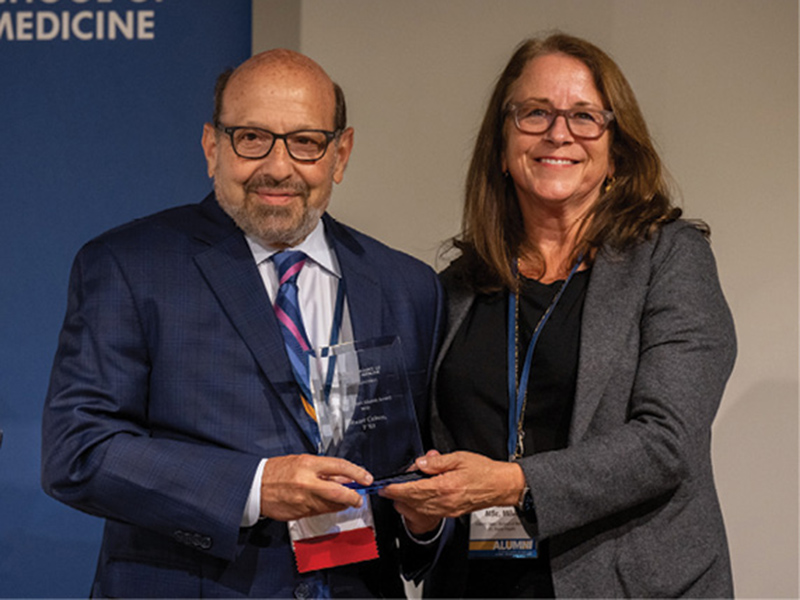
315	247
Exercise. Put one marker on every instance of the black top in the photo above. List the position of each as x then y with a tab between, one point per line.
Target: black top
473	402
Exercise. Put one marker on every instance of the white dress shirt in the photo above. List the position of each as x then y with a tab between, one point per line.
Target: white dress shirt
317	284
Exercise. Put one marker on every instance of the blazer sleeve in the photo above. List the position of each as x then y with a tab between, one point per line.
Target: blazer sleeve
651	430
98	453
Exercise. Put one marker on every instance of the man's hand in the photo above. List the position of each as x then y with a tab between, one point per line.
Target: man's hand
463	482
305	485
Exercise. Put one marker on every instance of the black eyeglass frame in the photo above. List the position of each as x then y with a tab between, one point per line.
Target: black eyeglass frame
329	137
608	118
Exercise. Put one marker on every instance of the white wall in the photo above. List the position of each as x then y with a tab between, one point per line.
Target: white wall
718	83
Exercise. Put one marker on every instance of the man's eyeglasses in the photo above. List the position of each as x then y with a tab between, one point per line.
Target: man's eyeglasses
305	145
585	123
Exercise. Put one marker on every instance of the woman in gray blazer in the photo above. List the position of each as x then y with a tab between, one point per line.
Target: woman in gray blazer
588	347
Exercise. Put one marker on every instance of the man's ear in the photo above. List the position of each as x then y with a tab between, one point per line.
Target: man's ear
210	147
343	148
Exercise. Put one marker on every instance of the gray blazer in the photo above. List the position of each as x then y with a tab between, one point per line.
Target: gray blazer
630	506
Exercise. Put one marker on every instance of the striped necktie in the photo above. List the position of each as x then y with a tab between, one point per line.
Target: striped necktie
298	347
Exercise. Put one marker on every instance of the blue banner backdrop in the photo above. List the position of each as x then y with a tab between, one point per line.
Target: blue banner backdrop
102	106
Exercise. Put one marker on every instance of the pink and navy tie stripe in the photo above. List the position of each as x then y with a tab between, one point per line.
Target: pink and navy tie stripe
287	308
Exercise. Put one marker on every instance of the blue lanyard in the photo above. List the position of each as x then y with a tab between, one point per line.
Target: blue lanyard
312	428
338	316
517	393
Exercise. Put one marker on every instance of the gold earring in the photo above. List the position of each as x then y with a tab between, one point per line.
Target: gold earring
610	181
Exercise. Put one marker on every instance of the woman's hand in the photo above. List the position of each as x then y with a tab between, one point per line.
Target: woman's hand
461	482
417	523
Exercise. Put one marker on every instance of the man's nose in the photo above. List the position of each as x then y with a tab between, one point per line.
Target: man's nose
278	163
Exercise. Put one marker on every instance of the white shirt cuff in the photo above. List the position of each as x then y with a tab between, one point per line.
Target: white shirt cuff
252	510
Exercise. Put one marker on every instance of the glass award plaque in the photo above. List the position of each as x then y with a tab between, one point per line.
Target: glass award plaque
365	409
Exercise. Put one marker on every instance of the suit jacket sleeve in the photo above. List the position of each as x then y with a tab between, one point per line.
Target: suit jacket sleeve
98	454
668	363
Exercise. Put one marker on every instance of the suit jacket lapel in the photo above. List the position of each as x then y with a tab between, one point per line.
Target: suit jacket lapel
231	272
459	302
363	290
612	300
228	267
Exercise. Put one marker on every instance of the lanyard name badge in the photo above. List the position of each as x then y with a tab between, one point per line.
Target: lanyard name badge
498	532
333	539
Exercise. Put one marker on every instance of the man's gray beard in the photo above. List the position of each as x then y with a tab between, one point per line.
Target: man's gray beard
263	222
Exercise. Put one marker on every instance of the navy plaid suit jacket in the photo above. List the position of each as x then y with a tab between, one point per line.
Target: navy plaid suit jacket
171	382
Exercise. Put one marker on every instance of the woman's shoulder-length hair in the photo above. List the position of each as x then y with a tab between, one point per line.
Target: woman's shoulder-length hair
631	208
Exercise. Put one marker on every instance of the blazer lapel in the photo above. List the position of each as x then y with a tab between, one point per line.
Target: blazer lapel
363	290
231	272
228	267
612	303
459	302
